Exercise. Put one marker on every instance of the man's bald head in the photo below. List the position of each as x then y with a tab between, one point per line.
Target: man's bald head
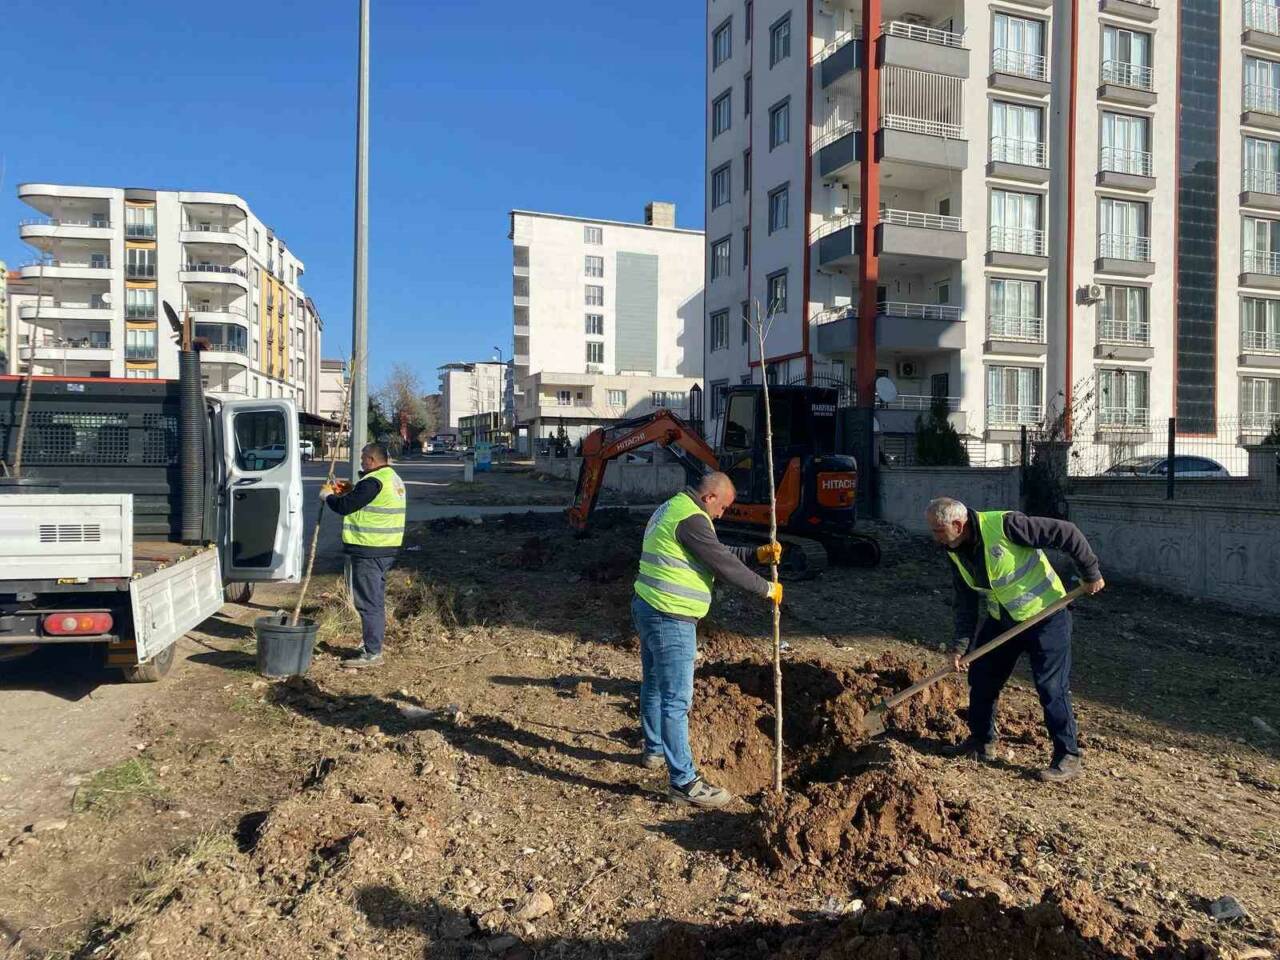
716	493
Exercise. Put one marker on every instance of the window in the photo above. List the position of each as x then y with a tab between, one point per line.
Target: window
720	330
740	423
746	247
255	351
1122	229
1014	309
722	113
1017	46
746	171
1123	398
1126	144
720	186
1261	85
671	399
746	321
1126	58
595	296
779	123
595	325
595	351
139	263
257	238
722	43
1122	315
1259	402
746	95
719	393
617	398
261	436
135	373
139	221
777	289
779	201
257	277
750	13
593	235
594	266
1261	165
720	259
780	41
139	304
1261	246
1260	325
1017	134
1016	225
564	398
1013	396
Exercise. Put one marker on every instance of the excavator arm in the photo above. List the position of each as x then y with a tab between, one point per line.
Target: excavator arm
608	443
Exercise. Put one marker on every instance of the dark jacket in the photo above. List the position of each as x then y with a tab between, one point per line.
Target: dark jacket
697	534
1040	532
357	498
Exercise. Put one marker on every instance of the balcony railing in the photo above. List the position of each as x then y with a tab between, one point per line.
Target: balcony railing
1262	261
1016	240
1123	417
832	314
1130	332
914	218
919	311
1260	15
1028	153
78	265
216	308
1013	414
1126	74
1019	64
1005	326
139	353
140	311
832	224
213	268
1119	160
917	401
1262	98
190	227
841	38
929	128
140	271
1260	341
1121	246
101	223
916	31
831	131
1261	181
1259	421
140	231
226	346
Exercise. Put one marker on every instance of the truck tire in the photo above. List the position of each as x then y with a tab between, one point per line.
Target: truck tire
237	592
155	669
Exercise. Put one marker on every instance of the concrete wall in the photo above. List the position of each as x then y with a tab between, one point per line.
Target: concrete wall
1219	551
1234	489
656	480
906	491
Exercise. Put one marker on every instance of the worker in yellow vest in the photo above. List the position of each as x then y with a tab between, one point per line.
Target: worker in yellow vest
679	560
373	514
998	558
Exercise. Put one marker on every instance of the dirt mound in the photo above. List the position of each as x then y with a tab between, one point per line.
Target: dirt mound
614	566
533	554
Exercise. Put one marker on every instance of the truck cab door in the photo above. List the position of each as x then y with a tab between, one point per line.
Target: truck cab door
262	495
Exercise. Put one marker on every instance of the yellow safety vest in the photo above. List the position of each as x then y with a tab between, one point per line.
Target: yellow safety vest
381	522
671	579
1022	579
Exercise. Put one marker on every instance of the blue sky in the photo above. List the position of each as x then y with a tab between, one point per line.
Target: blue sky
583	108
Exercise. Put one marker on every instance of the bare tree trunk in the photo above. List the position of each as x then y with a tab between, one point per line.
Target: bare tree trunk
773	567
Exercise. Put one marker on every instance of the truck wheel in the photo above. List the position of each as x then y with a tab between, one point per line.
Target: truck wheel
154	669
237	592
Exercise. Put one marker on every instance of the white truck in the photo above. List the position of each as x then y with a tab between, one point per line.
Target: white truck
142	506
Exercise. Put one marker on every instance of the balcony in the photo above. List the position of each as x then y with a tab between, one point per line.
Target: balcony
930	239
1261	268
59	310
1015	334
218	273
844	56
1124	340
1262	25
146	352
140	271
1006	420
218	313
140	231
918	47
1261	189
81	349
1123	425
900	326
1261	106
49	269
838	240
37	229
1025	160
1260	348
205	231
1019	72
838	146
1016	247
1128	83
1126	255
1125	169
1143	10
922	116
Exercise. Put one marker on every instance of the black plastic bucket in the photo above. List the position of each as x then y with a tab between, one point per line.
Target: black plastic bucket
284	650
28	485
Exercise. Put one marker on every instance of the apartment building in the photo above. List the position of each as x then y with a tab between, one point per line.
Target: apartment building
4	315
470	388
1013	206
332	391
109	257
607	318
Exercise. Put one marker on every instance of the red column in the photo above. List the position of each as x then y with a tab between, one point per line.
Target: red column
869	262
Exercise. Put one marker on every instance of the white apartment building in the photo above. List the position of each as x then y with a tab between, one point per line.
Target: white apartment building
109	257
467	389
1023	208
332	391
607	318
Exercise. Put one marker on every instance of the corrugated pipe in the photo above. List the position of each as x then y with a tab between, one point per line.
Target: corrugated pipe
191	446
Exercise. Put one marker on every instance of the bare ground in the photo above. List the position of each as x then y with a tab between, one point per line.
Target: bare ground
478	796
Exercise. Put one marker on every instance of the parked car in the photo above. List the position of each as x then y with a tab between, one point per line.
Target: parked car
261	458
1184	467
307	449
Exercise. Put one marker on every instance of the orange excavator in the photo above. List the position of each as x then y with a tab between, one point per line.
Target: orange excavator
816	487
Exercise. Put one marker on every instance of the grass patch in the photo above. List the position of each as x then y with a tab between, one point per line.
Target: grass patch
112	787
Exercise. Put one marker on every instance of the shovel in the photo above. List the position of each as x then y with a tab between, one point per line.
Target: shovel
873	722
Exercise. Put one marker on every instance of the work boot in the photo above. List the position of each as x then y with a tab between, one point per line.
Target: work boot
971	749
699	793
365	659
1066	767
652	761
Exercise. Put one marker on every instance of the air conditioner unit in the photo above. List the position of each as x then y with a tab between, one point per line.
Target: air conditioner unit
908	369
1093	292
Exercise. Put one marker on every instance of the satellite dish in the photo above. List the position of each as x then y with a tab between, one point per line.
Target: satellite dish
106	298
886	392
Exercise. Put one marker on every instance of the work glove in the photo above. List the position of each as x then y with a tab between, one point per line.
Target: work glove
326	491
775	593
769	553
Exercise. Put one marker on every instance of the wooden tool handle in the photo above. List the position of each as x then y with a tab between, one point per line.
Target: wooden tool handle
983	650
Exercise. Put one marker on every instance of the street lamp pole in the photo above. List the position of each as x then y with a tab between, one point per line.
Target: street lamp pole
360	292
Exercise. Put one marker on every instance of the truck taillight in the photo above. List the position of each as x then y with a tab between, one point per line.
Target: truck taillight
77	624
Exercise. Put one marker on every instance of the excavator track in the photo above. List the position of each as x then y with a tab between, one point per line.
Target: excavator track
802	557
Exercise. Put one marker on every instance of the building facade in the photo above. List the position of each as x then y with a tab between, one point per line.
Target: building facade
467	389
110	257
1014	208
4	316
602	311
331	391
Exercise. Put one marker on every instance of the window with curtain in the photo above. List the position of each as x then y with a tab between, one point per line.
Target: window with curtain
722	44
1017	133
720	186
780	41
779	203
594	296
1259	402
1261	242
595	325
722	113
1123	397
777	290
1016	224
1126	144
720	330
1014	308
1017	45
779	124
1122	229
720	253
593	266
139	304
1013	395
595	351
1260	324
1122	316
1261	165
1126	57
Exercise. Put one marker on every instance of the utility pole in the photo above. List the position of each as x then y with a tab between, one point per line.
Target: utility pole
360	295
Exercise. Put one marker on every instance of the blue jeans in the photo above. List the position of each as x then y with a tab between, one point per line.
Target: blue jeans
667	649
369	595
1048	645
